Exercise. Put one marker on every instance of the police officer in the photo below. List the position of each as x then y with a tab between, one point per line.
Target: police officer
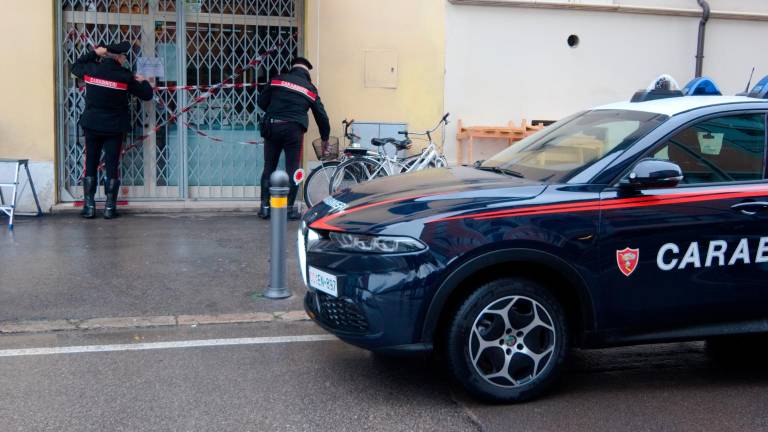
107	118
285	102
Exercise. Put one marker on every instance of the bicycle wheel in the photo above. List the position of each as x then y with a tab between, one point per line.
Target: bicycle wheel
355	171
408	163
318	182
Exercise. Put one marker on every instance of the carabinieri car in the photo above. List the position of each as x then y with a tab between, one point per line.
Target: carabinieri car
630	223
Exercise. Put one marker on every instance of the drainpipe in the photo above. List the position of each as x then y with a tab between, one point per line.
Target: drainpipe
702	31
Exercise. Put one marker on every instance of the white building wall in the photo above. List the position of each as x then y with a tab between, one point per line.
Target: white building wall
509	63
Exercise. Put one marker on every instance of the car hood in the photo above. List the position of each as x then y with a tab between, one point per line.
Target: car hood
380	205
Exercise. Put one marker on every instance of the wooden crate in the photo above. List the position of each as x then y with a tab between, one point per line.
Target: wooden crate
467	135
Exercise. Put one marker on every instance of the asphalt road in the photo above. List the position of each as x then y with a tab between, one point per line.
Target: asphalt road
326	385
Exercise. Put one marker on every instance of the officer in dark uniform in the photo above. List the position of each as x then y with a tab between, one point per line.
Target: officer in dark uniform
107	118
285	102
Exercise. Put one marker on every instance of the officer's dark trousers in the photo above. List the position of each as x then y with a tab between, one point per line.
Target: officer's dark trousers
286	137
111	144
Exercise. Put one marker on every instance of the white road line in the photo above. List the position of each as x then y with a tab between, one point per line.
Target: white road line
163	345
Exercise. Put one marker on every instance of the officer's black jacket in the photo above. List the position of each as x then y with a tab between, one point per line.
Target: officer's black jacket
108	86
289	96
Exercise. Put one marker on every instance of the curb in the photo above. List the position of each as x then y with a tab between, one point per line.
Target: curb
45	326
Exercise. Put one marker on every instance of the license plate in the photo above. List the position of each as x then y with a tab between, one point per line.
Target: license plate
323	281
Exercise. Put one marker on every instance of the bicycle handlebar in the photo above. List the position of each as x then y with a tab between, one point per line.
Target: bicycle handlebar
443	121
347	134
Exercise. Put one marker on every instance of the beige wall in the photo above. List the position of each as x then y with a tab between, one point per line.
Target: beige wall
506	63
338	32
27	110
27	76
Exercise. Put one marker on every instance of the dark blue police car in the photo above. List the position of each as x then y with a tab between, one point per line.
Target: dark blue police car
630	223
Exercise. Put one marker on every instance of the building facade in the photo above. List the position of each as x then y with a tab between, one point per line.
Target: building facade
511	60
388	64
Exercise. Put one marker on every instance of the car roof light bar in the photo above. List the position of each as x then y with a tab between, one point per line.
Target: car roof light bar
702	86
760	90
663	87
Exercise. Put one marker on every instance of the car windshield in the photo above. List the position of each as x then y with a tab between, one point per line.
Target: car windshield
568	147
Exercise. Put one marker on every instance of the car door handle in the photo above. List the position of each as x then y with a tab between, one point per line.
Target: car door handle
751	208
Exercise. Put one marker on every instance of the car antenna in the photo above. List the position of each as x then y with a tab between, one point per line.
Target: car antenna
749	83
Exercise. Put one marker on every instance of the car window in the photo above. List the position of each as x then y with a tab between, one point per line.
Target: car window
724	149
565	149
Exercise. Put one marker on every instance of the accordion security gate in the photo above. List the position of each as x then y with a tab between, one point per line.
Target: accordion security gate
209	151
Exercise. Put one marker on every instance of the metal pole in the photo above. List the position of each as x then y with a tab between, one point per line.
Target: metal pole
702	31
279	186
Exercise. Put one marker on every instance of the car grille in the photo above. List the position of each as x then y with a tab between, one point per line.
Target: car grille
341	314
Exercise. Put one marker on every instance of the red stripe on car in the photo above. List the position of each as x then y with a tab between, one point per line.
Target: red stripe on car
322	223
594	205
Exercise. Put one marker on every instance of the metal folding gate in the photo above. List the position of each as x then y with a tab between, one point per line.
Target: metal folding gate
210	150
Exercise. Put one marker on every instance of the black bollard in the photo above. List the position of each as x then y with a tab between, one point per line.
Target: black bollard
279	186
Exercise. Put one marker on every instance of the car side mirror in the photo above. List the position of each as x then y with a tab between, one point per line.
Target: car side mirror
653	174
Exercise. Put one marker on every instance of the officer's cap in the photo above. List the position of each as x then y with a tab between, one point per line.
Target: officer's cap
301	61
119	48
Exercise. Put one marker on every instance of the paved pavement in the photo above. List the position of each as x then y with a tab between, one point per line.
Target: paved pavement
327	385
64	267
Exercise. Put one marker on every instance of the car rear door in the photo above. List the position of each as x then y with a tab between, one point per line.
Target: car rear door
691	255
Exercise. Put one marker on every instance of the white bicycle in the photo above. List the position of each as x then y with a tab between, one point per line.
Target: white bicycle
365	167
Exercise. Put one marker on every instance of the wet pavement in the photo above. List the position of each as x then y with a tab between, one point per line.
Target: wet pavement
65	267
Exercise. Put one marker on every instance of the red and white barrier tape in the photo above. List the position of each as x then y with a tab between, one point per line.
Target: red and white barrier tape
205	135
211	90
193	87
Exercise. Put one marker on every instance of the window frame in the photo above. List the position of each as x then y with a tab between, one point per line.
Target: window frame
664	141
765	148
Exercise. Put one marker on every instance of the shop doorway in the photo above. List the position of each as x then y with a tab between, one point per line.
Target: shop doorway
210	152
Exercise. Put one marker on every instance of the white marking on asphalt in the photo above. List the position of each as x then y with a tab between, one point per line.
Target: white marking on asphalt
164	345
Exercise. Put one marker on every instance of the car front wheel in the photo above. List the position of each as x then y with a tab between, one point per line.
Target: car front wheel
508	341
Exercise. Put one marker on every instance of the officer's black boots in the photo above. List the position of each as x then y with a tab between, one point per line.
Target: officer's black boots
294	213
89	202
111	188
264	210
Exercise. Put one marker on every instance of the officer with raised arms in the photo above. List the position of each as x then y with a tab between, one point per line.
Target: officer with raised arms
107	117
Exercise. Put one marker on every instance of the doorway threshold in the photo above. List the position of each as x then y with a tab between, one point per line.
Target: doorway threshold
168	207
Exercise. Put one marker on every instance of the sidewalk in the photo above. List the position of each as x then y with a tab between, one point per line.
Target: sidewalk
173	269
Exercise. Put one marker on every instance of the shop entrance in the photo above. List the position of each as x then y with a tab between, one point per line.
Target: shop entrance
211	151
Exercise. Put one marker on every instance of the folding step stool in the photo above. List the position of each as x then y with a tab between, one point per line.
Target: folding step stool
10	210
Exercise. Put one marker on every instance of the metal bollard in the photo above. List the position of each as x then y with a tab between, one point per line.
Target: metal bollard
279	186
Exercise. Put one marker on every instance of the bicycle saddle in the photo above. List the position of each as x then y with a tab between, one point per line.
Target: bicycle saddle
400	145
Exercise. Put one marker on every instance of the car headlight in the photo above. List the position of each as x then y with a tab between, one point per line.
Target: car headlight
312	238
368	244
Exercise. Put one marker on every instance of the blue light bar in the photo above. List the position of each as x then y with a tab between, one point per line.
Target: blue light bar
760	90
702	86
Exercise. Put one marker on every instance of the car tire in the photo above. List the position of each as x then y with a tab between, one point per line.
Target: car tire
749	350
513	359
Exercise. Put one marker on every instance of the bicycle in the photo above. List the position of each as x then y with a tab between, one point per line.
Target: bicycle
317	184
362	168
